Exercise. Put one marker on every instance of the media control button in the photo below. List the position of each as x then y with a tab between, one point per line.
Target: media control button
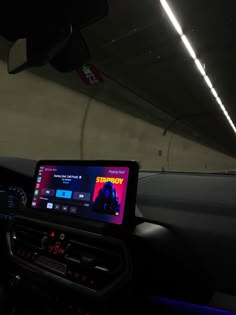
49	205
57	207
48	192
73	210
65	209
82	196
63	194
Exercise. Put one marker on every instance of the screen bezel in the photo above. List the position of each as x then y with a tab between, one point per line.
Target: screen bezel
130	200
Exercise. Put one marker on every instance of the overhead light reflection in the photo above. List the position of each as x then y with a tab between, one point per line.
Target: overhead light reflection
200	67
193	55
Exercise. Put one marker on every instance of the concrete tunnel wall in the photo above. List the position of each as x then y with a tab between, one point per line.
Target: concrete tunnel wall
41	120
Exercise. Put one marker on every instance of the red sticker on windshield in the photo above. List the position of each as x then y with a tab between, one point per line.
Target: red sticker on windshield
89	74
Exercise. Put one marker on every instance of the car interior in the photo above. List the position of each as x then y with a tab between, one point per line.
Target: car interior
177	248
142	220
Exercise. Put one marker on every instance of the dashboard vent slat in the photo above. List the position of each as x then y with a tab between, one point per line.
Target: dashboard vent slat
30	236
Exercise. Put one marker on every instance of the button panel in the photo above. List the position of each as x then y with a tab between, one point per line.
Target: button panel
83	262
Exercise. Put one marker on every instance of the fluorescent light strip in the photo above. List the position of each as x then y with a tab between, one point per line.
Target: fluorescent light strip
200	67
193	55
172	17
219	101
208	82
188	47
213	91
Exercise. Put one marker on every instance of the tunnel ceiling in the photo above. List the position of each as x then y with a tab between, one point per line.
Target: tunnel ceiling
138	50
137	46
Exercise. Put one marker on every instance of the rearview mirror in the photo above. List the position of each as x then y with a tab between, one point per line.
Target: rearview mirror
56	38
17	58
38	50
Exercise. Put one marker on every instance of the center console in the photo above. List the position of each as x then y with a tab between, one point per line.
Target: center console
73	244
87	262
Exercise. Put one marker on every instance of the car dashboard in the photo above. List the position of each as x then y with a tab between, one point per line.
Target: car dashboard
54	265
15	190
60	263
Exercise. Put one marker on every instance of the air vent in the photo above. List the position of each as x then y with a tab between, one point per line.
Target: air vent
108	263
88	260
28	236
94	257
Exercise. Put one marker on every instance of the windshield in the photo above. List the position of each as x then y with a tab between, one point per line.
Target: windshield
164	97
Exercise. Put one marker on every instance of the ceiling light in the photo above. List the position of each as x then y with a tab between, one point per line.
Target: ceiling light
192	53
226	113
213	91
227	116
219	101
208	82
221	104
171	17
188	46
200	67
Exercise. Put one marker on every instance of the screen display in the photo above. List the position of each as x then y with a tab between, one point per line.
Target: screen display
91	192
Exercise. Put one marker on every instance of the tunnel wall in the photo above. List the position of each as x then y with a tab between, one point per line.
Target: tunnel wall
40	119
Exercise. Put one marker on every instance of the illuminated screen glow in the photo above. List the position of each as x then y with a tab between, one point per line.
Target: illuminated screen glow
92	192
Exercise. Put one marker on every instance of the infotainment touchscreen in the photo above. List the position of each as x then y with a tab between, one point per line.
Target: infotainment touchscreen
96	192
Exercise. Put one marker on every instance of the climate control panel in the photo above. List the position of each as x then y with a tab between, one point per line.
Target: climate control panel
92	262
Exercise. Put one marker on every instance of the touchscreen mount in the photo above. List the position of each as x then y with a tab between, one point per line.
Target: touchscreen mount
92	190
